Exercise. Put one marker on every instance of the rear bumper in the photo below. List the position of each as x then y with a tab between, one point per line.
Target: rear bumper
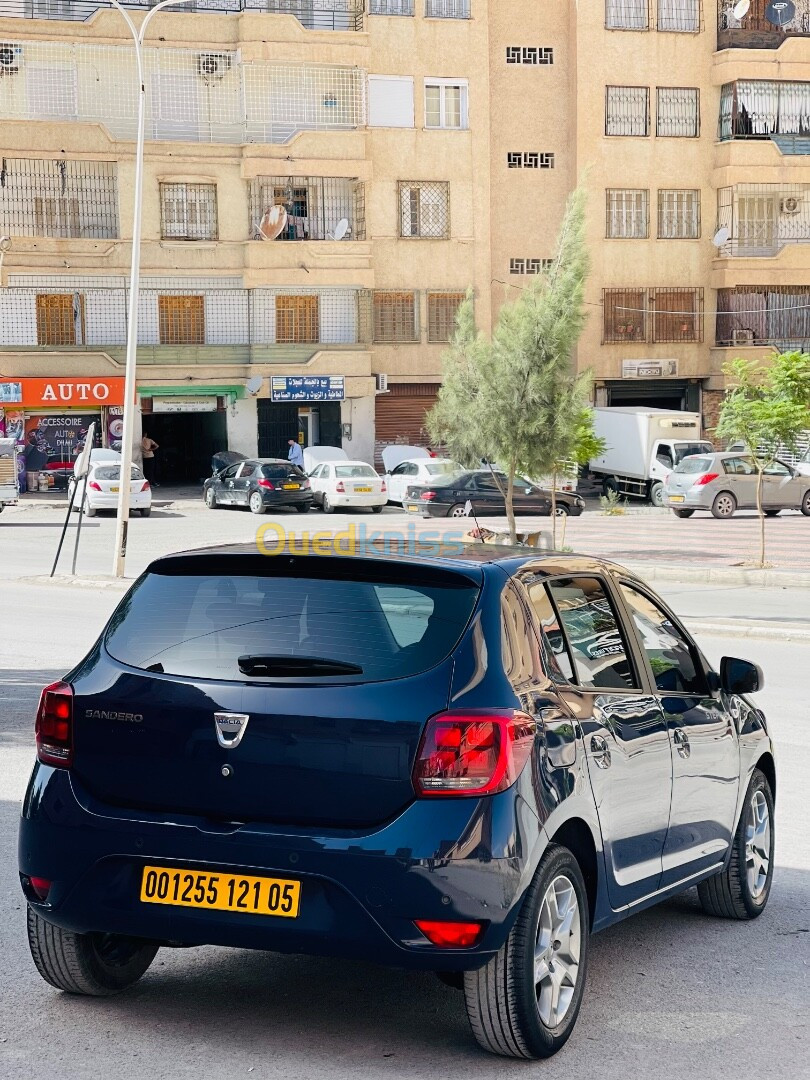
286	498
358	500
692	500
360	892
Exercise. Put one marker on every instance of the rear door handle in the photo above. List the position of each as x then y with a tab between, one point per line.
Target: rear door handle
600	752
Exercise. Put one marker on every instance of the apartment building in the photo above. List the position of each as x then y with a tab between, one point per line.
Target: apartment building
324	179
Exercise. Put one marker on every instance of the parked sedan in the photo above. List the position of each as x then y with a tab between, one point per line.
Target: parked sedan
447	496
416	471
724	483
259	483
347	484
103	483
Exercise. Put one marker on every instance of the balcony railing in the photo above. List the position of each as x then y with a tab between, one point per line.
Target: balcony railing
312	14
316	206
762	219
764	315
58	198
764	109
755	30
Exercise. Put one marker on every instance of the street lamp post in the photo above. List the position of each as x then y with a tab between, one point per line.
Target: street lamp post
122	524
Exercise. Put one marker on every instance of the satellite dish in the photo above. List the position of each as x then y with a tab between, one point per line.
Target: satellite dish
5	243
254	384
740	9
721	237
341	229
780	12
273	223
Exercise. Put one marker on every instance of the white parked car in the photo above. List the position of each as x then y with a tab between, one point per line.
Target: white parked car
409	465
103	484
347	484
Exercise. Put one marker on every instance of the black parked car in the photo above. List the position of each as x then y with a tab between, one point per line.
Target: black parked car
448	496
260	483
459	761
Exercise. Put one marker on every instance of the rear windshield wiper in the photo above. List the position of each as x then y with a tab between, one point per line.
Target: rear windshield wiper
290	666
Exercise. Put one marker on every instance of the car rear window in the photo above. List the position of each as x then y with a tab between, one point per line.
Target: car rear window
199	625
278	472
694	465
113	472
346	471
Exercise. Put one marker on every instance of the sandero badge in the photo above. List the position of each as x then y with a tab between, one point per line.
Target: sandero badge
230	727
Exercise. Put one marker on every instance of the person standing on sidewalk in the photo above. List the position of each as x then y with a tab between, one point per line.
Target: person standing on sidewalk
296	454
148	448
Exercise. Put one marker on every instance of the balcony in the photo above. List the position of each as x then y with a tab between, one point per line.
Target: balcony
59	198
752	315
762	219
755	30
767	109
312	14
317	207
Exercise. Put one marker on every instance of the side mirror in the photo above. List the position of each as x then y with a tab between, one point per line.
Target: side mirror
740	676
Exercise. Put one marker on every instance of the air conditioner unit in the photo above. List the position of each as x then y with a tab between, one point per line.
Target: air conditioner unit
214	65
742	337
382	384
10	58
790	205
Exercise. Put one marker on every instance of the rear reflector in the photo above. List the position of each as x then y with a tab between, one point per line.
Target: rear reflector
473	753
450	935
41	887
706	478
54	726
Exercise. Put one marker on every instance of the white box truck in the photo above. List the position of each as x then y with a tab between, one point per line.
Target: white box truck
642	447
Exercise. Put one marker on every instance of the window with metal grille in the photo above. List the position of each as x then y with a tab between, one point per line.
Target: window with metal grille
764	315
624	315
58	198
445	103
441	310
60	319
188	211
678	214
315	205
424	208
181	319
297	319
627	15
395	317
677	314
626	214
627	110
390	7
447	9
678	112
679	16
531	55
529	266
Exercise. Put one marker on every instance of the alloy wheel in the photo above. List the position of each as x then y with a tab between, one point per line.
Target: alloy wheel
457	512
557	951
725	505
757	844
560	511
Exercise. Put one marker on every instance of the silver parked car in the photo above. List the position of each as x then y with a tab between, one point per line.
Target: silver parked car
723	483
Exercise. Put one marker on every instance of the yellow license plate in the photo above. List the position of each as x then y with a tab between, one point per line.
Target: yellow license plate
113	489
220	892
293	487
676	498
362	489
413	509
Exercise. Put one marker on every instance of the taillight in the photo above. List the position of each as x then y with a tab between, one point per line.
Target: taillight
340	488
304	484
427	495
450	935
266	484
41	887
383	489
95	486
145	485
54	726
705	478
473	753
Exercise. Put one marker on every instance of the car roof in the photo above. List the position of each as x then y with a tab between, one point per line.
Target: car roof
348	461
268	461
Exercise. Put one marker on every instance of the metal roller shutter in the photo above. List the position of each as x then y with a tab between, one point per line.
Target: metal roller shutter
400	415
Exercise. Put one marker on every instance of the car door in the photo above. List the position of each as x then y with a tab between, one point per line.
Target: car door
242	483
224	484
777	487
530	499
705	749
485	495
624	731
741	480
315	482
403	474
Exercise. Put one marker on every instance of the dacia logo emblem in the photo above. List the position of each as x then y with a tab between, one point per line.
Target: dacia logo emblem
230	727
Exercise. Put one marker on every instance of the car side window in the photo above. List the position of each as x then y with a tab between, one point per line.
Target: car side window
230	472
553	637
594	634
485	483
247	470
316	472
739	467
519	658
400	470
777	469
674	662
664	455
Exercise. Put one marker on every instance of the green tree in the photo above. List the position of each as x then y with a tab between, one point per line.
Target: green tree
509	399
577	443
766	408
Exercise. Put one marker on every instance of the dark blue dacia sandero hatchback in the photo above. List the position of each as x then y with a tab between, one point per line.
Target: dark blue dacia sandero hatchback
462	762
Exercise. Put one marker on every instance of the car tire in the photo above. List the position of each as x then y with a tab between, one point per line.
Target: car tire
724	505
146	512
657	494
256	503
561	510
90	511
805	507
456	511
682	513
302	508
211	499
95	965
741	891
376	509
326	506
512	1013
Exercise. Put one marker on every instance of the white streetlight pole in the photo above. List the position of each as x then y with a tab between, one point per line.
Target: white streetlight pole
122	524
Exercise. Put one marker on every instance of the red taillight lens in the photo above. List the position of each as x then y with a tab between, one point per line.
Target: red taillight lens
145	485
339	487
95	486
450	935
54	726
705	478
428	495
384	488
304	484
266	484
473	753
41	887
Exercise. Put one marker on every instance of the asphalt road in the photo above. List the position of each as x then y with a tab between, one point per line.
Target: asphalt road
670	990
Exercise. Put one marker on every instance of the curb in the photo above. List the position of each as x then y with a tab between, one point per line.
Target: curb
719	575
736	628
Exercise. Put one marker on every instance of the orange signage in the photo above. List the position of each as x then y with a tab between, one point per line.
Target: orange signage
60	392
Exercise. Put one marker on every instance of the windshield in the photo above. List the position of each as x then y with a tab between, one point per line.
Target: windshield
344	471
685	450
442	468
694	465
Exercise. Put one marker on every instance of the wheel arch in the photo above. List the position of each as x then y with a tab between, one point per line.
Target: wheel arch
575	834
767	766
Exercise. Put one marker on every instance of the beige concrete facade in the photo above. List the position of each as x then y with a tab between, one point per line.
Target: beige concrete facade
333	105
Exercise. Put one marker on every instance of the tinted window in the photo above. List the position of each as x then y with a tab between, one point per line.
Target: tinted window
113	472
694	465
247	470
592	629
280	472
674	663
342	472
685	450
230	472
557	648
664	455
487	483
199	625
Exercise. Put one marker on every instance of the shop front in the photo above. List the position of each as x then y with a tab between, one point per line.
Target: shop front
189	425
302	407
50	420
